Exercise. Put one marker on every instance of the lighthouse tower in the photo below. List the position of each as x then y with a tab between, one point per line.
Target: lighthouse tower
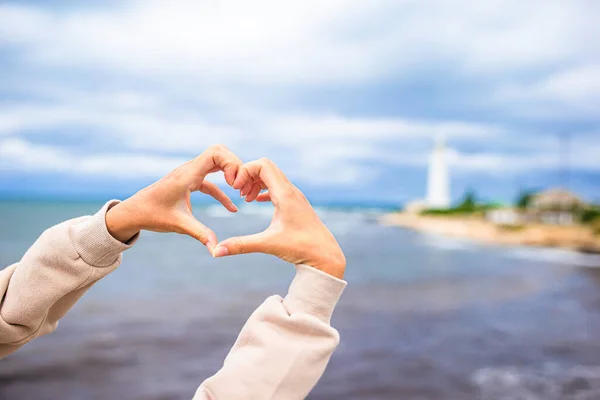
438	185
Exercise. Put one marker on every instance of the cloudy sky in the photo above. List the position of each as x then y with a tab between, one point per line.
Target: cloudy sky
100	98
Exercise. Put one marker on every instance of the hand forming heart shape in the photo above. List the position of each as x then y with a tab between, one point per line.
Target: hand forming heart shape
296	234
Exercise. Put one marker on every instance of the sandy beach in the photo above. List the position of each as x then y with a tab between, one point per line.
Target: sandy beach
576	237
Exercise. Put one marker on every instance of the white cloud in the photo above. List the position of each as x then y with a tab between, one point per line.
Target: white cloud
242	41
320	149
19	155
581	158
579	84
134	129
305	145
199	64
538	57
573	93
305	127
312	41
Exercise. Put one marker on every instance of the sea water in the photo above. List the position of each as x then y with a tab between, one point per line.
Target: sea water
423	317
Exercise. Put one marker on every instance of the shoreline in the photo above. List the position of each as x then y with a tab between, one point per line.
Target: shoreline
576	237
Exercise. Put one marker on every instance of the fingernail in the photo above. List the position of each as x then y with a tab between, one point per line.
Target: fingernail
220	251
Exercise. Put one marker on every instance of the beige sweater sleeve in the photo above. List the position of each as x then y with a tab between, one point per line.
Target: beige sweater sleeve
284	347
54	273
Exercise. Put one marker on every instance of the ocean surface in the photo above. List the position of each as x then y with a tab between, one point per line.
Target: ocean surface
423	317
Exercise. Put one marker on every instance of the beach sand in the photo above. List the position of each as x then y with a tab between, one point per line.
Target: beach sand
575	237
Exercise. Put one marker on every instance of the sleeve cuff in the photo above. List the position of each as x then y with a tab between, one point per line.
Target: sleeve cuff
314	292
94	243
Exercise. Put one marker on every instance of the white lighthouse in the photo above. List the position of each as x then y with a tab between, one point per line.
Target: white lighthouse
438	184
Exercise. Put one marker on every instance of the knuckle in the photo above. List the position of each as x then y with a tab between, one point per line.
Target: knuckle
230	165
201	236
243	169
239	246
175	175
289	192
219	147
178	170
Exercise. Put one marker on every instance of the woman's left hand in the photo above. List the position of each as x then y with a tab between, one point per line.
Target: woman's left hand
165	205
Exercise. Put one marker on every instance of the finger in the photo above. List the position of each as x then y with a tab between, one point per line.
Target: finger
243	177
266	171
246	188
196	229
260	183
213	190
253	193
221	158
263	197
256	243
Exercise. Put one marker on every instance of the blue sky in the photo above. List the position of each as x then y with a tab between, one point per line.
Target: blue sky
99	99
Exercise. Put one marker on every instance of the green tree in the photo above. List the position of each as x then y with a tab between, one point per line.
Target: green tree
524	198
469	202
590	215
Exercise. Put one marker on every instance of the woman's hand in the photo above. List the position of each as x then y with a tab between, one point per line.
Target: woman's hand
165	205
296	234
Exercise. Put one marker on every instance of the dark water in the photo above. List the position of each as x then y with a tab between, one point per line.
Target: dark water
423	317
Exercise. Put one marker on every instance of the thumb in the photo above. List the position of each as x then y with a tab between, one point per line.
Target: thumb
256	243
196	229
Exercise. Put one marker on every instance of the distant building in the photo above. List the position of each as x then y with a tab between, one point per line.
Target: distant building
552	207
438	184
504	216
556	207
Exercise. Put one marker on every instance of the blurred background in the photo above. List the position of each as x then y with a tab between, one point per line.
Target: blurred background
452	147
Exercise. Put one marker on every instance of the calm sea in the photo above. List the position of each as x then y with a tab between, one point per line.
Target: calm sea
423	317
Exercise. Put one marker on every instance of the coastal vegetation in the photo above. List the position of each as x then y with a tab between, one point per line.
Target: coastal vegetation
524	199
551	218
591	217
470	206
467	206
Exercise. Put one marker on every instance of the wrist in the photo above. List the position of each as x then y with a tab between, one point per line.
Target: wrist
333	270
121	222
336	266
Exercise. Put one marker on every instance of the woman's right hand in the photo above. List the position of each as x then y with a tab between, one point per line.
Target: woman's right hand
296	234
